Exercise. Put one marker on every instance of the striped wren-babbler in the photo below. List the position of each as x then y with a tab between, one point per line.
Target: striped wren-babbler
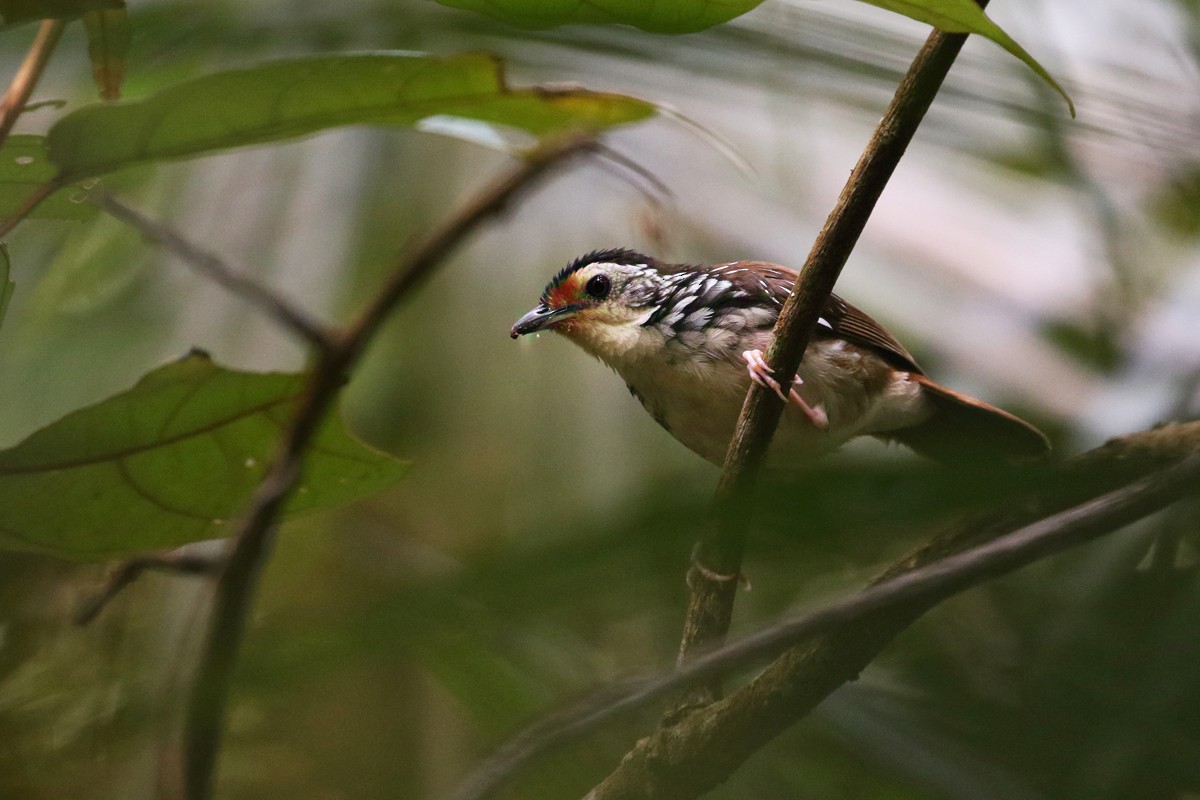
688	340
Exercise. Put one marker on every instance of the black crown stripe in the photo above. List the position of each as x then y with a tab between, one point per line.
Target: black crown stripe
618	255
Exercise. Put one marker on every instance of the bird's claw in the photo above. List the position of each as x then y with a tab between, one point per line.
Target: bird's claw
760	372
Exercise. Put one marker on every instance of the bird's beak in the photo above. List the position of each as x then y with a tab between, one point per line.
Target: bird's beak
541	318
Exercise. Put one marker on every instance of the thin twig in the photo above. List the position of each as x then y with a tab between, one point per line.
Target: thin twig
28	74
14	102
925	586
131	569
252	543
413	270
655	187
267	300
31	201
710	607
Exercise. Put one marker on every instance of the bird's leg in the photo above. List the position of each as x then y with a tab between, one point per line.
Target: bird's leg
760	373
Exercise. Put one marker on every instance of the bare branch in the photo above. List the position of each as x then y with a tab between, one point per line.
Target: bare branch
654	188
207	264
708	744
701	750
131	569
13	104
711	604
28	74
31	201
411	271
252	542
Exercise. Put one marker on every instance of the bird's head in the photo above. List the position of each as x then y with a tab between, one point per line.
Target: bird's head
601	290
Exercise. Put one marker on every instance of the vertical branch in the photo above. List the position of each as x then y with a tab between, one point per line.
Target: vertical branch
711	604
252	543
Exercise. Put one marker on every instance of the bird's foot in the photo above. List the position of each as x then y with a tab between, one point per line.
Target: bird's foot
760	372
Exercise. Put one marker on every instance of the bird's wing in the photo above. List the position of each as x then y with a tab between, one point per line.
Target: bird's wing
839	320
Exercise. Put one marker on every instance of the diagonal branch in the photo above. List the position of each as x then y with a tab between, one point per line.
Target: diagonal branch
28	74
181	562
926	585
711	604
412	271
252	542
705	747
270	302
12	105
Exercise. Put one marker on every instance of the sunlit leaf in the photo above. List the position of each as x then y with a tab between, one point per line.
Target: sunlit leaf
688	16
169	461
108	40
24	168
17	11
284	99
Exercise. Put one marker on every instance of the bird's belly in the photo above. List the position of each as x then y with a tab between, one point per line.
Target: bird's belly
703	419
700	406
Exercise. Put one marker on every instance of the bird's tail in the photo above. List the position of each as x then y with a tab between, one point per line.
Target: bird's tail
964	430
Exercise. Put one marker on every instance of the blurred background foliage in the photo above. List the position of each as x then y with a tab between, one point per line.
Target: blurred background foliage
538	546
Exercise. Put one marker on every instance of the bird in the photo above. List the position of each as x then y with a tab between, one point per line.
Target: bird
688	341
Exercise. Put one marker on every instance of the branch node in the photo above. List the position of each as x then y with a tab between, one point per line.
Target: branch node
129	570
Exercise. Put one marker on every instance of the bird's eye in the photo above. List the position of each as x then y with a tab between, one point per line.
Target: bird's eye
598	287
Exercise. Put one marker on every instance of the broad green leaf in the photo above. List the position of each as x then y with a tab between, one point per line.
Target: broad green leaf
108	36
284	99
14	12
6	284
658	16
170	461
24	167
688	16
965	16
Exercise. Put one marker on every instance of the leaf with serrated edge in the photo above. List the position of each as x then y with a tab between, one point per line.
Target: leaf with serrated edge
296	97
168	462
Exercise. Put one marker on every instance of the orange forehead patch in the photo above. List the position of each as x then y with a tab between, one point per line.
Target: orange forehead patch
566	292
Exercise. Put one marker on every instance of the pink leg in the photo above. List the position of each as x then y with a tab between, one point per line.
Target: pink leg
760	373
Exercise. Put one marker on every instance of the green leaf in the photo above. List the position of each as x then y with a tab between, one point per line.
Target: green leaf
284	99
965	16
688	16
108	37
168	462
660	16
24	168
15	12
6	285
